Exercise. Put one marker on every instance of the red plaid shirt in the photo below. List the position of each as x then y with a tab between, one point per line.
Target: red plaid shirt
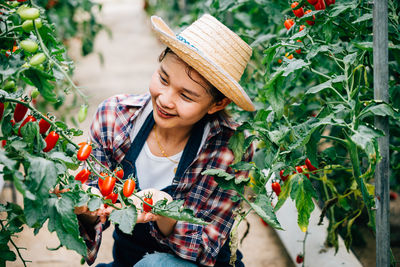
111	130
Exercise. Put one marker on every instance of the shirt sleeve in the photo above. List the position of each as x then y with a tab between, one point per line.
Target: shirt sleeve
203	243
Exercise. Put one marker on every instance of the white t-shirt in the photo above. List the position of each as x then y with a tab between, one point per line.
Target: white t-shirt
153	171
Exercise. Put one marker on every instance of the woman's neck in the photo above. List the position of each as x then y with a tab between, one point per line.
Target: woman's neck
168	142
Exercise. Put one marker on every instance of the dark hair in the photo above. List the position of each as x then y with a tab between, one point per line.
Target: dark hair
214	92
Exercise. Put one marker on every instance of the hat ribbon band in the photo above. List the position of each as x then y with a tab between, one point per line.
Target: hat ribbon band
182	39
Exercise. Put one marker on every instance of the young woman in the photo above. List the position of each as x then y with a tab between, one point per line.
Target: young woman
168	137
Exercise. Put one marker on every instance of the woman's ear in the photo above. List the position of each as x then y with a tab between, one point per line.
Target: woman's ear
220	105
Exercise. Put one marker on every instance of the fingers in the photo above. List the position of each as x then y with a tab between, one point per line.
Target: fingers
145	217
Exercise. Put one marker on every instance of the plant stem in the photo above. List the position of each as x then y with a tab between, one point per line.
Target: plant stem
46	52
15	246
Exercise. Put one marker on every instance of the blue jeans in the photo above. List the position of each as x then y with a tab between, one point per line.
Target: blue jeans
159	259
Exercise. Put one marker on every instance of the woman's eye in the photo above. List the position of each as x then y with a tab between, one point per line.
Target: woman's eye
162	79
186	97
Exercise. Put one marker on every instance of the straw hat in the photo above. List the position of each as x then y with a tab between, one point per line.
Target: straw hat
214	51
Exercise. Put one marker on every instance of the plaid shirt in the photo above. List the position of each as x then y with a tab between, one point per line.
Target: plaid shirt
110	131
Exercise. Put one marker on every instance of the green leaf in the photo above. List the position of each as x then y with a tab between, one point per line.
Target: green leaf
62	157
42	174
319	87
302	193
6	161
350	59
262	206
294	65
364	135
125	218
94	203
41	80
227	181
275	97
63	220
177	211
236	143
366	16
378	110
285	193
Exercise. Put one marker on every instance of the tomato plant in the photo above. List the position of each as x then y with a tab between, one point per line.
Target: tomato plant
148	199
84	152
129	187
317	105
83	175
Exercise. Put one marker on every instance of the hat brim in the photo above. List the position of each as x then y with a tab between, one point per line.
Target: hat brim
207	68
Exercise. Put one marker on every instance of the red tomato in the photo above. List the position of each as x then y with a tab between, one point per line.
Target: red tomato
302	168
119	173
107	186
289	23
276	187
51	141
30	118
84	152
298	12
279	61
43	126
283	177
310	22
289	56
298	51
309	165
83	176
320	5
1	110
113	197
392	195
301	28
129	186
19	112
329	2
312	2
299	258
3	143
147	199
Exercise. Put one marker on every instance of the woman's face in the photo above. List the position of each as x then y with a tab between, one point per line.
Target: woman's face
179	101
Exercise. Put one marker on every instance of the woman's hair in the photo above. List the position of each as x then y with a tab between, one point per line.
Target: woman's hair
214	92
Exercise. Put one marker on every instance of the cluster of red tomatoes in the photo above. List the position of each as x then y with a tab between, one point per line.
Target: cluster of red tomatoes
299	11
307	168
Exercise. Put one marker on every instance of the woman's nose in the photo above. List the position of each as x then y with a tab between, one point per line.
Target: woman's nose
167	99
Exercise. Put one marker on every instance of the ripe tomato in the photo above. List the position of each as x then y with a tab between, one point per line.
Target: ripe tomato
107	186
113	197
30	118
392	194
84	152
19	112
320	5
1	110
129	186
83	176
312	2
309	165
300	169
298	12
301	28
299	258
276	187
288	23
147	199
43	126
310	22
329	2
279	61
298	51
119	172
283	177
51	140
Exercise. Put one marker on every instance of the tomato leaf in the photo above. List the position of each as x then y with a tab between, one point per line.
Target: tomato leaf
94	203
302	193
41	80
319	87
125	218
262	206
177	211
236	144
364	135
227	181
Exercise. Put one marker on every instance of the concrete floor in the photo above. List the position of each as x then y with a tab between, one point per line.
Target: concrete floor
130	58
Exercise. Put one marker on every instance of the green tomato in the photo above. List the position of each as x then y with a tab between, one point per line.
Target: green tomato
29	45
82	113
35	93
29	13
37	59
9	86
28	25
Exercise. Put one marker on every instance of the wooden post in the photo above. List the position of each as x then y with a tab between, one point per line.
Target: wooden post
381	76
